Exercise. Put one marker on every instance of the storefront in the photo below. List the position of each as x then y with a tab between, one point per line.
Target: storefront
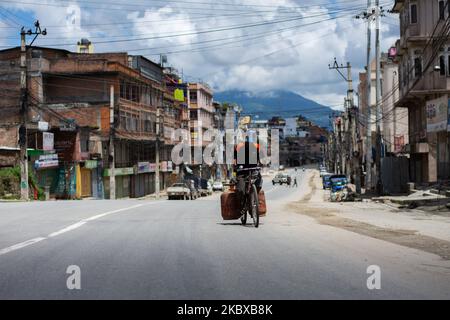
123	181
143	181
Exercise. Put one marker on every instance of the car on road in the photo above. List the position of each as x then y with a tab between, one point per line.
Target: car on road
338	182
204	187
217	186
179	191
210	189
323	172
280	179
326	182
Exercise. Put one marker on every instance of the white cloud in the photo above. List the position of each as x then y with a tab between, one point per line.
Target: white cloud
300	54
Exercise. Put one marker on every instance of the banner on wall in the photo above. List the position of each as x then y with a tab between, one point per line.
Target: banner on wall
437	114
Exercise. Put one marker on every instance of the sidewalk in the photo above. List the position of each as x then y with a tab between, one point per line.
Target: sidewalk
427	231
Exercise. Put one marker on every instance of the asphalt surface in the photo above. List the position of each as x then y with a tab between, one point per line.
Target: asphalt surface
131	249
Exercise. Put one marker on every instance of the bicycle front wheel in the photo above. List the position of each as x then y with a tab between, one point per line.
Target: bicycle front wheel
254	206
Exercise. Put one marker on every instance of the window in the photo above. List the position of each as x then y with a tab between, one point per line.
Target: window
193	96
417	67
194	115
448	62
122	120
413	14
442	67
441	10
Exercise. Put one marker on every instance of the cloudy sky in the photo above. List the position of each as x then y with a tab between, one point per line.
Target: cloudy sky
253	45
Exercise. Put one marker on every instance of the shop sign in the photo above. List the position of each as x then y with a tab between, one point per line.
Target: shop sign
143	167
47	161
120	172
91	164
43	126
166	166
48	141
179	95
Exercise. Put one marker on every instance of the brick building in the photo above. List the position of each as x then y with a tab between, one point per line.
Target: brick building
72	93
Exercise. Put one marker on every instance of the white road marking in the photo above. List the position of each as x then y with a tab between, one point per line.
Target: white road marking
21	245
69	228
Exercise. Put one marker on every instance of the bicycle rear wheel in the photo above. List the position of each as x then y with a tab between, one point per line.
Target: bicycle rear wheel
254	206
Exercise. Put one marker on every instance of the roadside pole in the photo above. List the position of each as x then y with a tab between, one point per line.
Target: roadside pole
24	189
157	155
379	146
368	15
350	127
112	160
23	135
353	127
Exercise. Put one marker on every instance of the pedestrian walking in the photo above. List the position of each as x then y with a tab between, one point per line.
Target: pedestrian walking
295	182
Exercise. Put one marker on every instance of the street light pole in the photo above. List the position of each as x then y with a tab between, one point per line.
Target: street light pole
23	135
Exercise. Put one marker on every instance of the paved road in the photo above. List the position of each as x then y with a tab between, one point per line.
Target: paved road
183	250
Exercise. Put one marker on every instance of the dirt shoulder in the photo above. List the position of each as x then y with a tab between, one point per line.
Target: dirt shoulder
372	220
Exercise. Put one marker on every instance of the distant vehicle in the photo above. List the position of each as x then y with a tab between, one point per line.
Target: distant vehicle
323	172
281	168
338	182
210	189
217	186
204	187
326	182
280	179
179	191
271	172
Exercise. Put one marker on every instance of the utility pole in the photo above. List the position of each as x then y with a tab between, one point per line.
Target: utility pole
368	15
379	147
351	129
157	156
23	135
112	158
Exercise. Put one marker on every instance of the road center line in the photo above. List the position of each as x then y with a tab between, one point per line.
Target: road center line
69	228
21	245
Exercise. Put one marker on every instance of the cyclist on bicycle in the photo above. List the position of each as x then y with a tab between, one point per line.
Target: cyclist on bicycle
247	158
248	179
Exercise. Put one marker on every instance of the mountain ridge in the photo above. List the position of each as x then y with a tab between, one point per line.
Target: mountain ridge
283	103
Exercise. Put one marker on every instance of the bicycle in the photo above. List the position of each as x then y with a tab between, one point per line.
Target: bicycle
250	201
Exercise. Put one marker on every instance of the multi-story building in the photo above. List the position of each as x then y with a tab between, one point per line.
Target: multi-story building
201	115
78	105
296	150
394	120
423	55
